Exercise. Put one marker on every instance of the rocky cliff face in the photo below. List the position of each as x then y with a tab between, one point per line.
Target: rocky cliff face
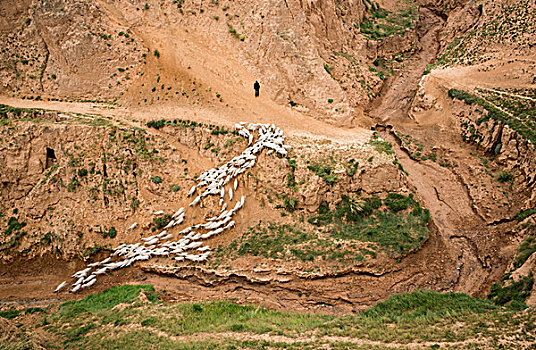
68	179
311	55
510	150
65	49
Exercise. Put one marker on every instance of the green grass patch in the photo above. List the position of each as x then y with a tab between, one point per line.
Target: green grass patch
525	250
380	145
523	214
106	300
427	306
508	292
398	228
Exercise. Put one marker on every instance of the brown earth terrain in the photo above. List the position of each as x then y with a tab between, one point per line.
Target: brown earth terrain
431	103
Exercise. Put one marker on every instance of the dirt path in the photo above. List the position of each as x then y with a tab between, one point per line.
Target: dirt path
293	124
314	340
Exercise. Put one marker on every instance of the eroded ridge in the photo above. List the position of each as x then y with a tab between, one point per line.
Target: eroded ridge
221	181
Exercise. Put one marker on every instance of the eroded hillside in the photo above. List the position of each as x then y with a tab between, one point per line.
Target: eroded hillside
411	161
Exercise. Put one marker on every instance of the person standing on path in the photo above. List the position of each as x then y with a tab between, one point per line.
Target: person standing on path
257	88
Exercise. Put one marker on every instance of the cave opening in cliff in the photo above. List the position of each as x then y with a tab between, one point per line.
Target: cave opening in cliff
51	157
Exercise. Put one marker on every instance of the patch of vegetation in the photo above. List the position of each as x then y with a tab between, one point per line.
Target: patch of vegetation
112	232
13	233
427	305
511	292
10	314
161	221
523	214
13	225
214	129
383	23
106	300
234	33
290	204
352	167
5	109
73	185
323	171
417	317
518	113
156	179
397	230
291	178
452	51
329	70
525	250
283	242
82	172
504	177
380	145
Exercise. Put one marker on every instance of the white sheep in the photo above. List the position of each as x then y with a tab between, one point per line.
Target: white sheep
60	286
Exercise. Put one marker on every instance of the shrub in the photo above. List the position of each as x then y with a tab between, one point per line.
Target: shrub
505	177
323	171
514	293
156	179
82	172
112	232
161	221
157	54
397	202
156	124
290	204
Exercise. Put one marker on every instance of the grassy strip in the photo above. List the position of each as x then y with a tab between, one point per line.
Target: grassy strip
214	129
418	316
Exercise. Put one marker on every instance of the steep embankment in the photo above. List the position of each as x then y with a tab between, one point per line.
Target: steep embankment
473	171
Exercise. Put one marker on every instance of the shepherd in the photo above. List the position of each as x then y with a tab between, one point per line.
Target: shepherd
257	88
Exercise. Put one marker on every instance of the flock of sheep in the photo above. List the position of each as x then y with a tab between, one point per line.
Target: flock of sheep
190	246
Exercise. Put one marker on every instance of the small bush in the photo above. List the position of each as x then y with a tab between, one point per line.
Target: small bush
82	172
505	177
161	221
156	179
157	54
112	232
514	293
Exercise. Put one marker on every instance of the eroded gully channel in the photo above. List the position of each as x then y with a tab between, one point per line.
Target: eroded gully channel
441	189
